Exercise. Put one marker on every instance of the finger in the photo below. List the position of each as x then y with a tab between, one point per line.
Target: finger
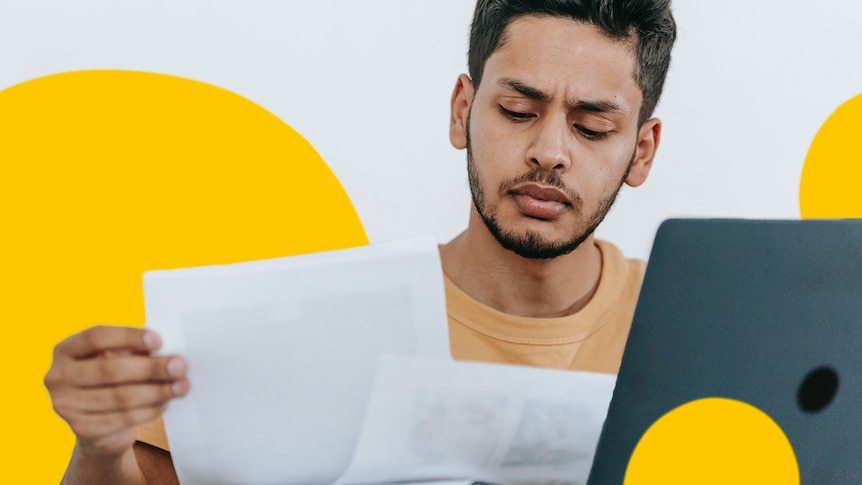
71	375
105	338
116	399
126	369
94	428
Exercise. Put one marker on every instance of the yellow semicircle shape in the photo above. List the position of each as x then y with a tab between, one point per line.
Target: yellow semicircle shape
829	186
713	441
106	174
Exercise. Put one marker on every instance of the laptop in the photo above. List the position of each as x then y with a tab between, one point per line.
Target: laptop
763	314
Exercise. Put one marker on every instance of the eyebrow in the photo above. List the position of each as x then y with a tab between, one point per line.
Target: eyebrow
523	89
597	106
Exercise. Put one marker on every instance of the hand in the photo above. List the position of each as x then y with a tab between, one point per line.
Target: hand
104	383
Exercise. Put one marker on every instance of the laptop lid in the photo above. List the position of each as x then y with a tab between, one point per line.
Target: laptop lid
757	316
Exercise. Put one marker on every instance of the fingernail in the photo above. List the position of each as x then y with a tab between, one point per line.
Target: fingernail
179	388
152	340
176	367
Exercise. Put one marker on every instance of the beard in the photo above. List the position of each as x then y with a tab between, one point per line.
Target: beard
532	244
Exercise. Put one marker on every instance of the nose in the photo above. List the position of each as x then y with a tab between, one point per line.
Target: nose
549	148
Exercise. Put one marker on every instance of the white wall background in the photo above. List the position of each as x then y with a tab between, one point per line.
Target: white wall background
368	84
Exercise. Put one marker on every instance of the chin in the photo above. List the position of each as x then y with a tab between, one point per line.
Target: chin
535	245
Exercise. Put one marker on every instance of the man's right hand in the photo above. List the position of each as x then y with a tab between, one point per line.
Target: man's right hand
104	383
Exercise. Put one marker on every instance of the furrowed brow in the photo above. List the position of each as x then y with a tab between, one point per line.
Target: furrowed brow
595	106
524	90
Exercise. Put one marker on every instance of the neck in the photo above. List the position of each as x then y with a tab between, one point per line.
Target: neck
477	263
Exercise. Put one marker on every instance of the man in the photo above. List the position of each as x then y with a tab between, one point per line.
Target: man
555	117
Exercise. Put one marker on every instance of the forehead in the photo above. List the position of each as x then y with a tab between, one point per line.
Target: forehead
565	57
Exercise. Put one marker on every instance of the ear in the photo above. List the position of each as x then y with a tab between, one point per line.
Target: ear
649	136
462	96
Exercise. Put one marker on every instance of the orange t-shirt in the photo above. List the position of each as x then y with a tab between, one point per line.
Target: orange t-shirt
592	339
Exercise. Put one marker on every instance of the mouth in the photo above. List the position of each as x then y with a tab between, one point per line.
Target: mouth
540	202
542	193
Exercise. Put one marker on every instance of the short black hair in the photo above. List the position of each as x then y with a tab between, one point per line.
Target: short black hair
649	24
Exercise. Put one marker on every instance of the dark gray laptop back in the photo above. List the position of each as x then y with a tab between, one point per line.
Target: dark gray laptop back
746	310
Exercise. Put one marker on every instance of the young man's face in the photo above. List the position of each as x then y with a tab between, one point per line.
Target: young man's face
552	133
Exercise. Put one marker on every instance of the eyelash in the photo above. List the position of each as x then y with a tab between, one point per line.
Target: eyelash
521	117
591	134
514	115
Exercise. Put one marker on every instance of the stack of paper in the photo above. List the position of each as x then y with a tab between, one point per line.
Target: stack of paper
334	367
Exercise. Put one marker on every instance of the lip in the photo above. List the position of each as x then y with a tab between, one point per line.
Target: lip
540	202
542	193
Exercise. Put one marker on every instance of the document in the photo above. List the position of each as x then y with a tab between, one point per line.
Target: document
282	354
432	418
335	368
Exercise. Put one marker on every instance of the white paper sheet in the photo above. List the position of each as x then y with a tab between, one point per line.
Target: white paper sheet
438	419
282	355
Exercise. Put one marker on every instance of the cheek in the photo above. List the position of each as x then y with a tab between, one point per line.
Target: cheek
493	139
613	159
493	158
601	171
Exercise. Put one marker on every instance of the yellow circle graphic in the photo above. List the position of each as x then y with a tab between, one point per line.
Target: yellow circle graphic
106	174
829	187
713	441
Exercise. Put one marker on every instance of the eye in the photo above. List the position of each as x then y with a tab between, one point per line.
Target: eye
591	134
515	115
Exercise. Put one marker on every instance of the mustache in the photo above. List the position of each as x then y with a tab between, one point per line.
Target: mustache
539	175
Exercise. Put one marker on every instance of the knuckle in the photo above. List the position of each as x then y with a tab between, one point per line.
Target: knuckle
62	347
51	379
120	398
57	376
107	370
92	337
62	408
59	349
